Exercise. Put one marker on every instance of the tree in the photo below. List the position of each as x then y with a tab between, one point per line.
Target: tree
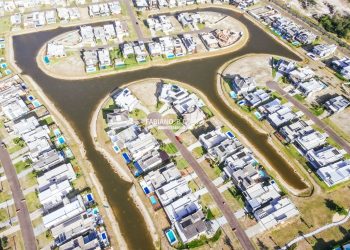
335	207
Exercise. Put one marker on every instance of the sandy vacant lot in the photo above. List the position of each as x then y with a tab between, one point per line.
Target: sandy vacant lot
256	66
146	93
342	120
72	65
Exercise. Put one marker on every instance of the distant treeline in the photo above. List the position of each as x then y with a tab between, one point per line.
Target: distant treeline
339	25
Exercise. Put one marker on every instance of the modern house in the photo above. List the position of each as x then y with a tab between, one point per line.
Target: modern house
281	117
335	173
301	75
172	191
118	119
310	139
192	226
324	50
212	139
285	67
336	104
256	98
125	99
276	212
342	66
243	85
294	130
259	195
182	208
70	209
160	177
150	160
48	160
224	149
143	144
324	156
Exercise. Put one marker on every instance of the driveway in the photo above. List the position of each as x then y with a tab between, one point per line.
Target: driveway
20	203
214	192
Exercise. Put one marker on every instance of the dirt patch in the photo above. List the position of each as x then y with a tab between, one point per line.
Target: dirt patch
342	120
256	66
146	93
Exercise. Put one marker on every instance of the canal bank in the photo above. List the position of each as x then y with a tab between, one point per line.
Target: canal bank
77	100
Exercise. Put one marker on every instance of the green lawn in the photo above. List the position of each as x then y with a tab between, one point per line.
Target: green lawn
4	196
14	149
137	114
300	98
198	152
158	134
47	121
169	148
3	215
317	110
181	163
33	202
21	165
207	112
28	181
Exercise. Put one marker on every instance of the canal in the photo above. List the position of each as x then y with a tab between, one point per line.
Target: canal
77	100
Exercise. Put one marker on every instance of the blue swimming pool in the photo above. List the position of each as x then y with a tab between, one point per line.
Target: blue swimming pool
116	148
171	236
233	95
153	200
230	134
61	140
104	236
30	98
57	132
46	59
146	190
89	197
36	103
258	115
3	65
126	158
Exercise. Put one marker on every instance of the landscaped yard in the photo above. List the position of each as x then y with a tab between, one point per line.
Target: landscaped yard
3	215
33	202
234	201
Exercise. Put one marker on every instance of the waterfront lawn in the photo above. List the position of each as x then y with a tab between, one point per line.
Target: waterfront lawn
198	152
180	163
47	121
207	111
33	202
169	148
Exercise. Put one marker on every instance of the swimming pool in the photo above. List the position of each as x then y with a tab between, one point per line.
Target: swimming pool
230	134
30	98
126	158
171	236
153	200
233	95
116	149
258	115
36	103
57	132
89	197
46	60
103	236
3	65
61	140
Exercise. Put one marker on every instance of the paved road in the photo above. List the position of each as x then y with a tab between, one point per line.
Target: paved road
274	85
225	209
134	20
20	203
